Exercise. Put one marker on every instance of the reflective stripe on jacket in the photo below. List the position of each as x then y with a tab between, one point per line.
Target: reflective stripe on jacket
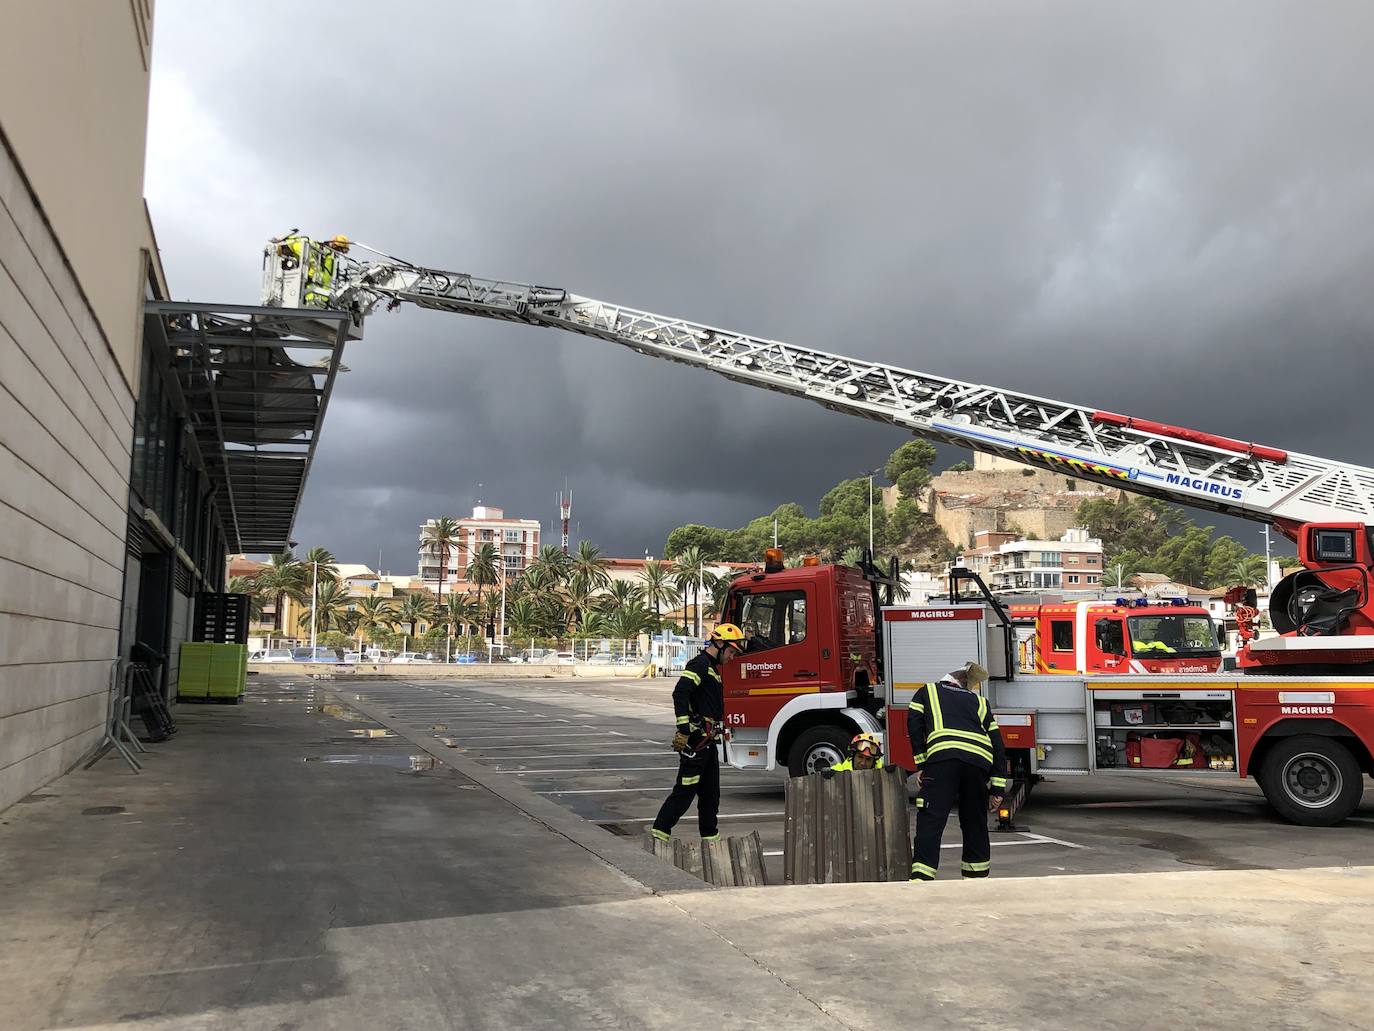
949	722
848	764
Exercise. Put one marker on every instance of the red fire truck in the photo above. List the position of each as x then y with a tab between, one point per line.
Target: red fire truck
1121	636
829	660
821	636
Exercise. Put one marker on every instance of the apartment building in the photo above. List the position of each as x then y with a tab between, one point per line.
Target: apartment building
1071	563
515	540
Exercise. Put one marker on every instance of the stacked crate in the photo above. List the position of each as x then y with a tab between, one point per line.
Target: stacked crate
212	672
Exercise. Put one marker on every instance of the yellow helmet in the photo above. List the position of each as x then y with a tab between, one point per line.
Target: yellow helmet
727	632
340	243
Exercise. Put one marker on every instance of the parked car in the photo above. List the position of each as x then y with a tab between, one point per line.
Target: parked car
353	657
563	658
273	655
317	654
602	659
465	658
412	658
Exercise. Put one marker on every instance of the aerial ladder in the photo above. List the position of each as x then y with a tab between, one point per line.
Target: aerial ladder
1323	613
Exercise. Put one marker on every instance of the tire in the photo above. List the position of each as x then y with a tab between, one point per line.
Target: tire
1311	781
818	749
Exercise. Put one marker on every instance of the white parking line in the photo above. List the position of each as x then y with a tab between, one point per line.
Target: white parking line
1041	839
656	789
721	816
533	738
584	769
1032	839
580	755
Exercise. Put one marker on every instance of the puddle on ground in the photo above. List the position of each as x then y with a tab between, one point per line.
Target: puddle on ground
343	712
402	762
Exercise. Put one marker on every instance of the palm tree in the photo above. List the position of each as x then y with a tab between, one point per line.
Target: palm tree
376	616
321	561
689	571
459	612
1250	571
657	586
588	568
552	565
330	601
415	608
248	585
347	622
484	566
438	537
578	601
719	595
621	594
283	577
628	621
852	555
524	619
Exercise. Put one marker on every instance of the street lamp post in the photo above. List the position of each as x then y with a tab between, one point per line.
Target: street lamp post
314	595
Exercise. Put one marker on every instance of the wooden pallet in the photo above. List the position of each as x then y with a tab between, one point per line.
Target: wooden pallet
850	827
735	862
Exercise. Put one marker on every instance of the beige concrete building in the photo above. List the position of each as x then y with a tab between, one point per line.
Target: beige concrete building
79	259
135	442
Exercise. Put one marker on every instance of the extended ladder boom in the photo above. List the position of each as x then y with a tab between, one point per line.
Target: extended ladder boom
1176	464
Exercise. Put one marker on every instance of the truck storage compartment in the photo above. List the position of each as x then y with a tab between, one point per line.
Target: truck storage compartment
1167	731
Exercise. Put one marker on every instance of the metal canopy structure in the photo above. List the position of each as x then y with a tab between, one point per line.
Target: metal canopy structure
256	382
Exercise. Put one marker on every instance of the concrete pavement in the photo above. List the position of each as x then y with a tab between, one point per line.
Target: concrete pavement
237	885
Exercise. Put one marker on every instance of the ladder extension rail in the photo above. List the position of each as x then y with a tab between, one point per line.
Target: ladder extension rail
1172	463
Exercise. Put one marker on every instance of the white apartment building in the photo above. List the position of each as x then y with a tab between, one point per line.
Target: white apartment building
1072	563
515	540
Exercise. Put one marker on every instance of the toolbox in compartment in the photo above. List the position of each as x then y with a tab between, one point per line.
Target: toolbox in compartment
1164	733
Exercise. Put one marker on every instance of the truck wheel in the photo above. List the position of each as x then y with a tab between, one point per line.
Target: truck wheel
1310	780
818	749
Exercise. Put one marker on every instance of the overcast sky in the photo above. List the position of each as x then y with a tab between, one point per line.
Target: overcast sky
1159	209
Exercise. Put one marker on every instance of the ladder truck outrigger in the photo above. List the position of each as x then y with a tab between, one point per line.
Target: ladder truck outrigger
833	655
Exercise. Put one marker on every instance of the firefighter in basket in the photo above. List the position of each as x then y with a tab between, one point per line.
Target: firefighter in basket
865	753
699	704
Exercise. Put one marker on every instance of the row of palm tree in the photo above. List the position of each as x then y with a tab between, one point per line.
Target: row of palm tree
556	596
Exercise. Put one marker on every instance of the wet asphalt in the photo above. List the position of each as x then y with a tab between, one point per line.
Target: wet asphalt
598	748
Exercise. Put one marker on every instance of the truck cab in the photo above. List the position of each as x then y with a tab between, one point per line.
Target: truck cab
1116	637
808	679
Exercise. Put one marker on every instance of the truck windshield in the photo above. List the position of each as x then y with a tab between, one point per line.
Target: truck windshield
1154	636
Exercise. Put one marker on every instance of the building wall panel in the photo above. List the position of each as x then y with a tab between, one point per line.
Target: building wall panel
66	412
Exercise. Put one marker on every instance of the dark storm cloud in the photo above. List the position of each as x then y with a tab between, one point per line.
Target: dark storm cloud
1158	210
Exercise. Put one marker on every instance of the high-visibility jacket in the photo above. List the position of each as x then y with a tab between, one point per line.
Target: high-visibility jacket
947	722
698	693
319	264
848	764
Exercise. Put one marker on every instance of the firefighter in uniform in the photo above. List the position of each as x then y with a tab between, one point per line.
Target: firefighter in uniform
960	760
699	704
865	753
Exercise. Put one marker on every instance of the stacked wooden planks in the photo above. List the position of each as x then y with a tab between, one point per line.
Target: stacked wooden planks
849	827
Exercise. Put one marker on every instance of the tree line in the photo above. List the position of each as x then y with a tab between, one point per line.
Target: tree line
1145	535
841	528
555	597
